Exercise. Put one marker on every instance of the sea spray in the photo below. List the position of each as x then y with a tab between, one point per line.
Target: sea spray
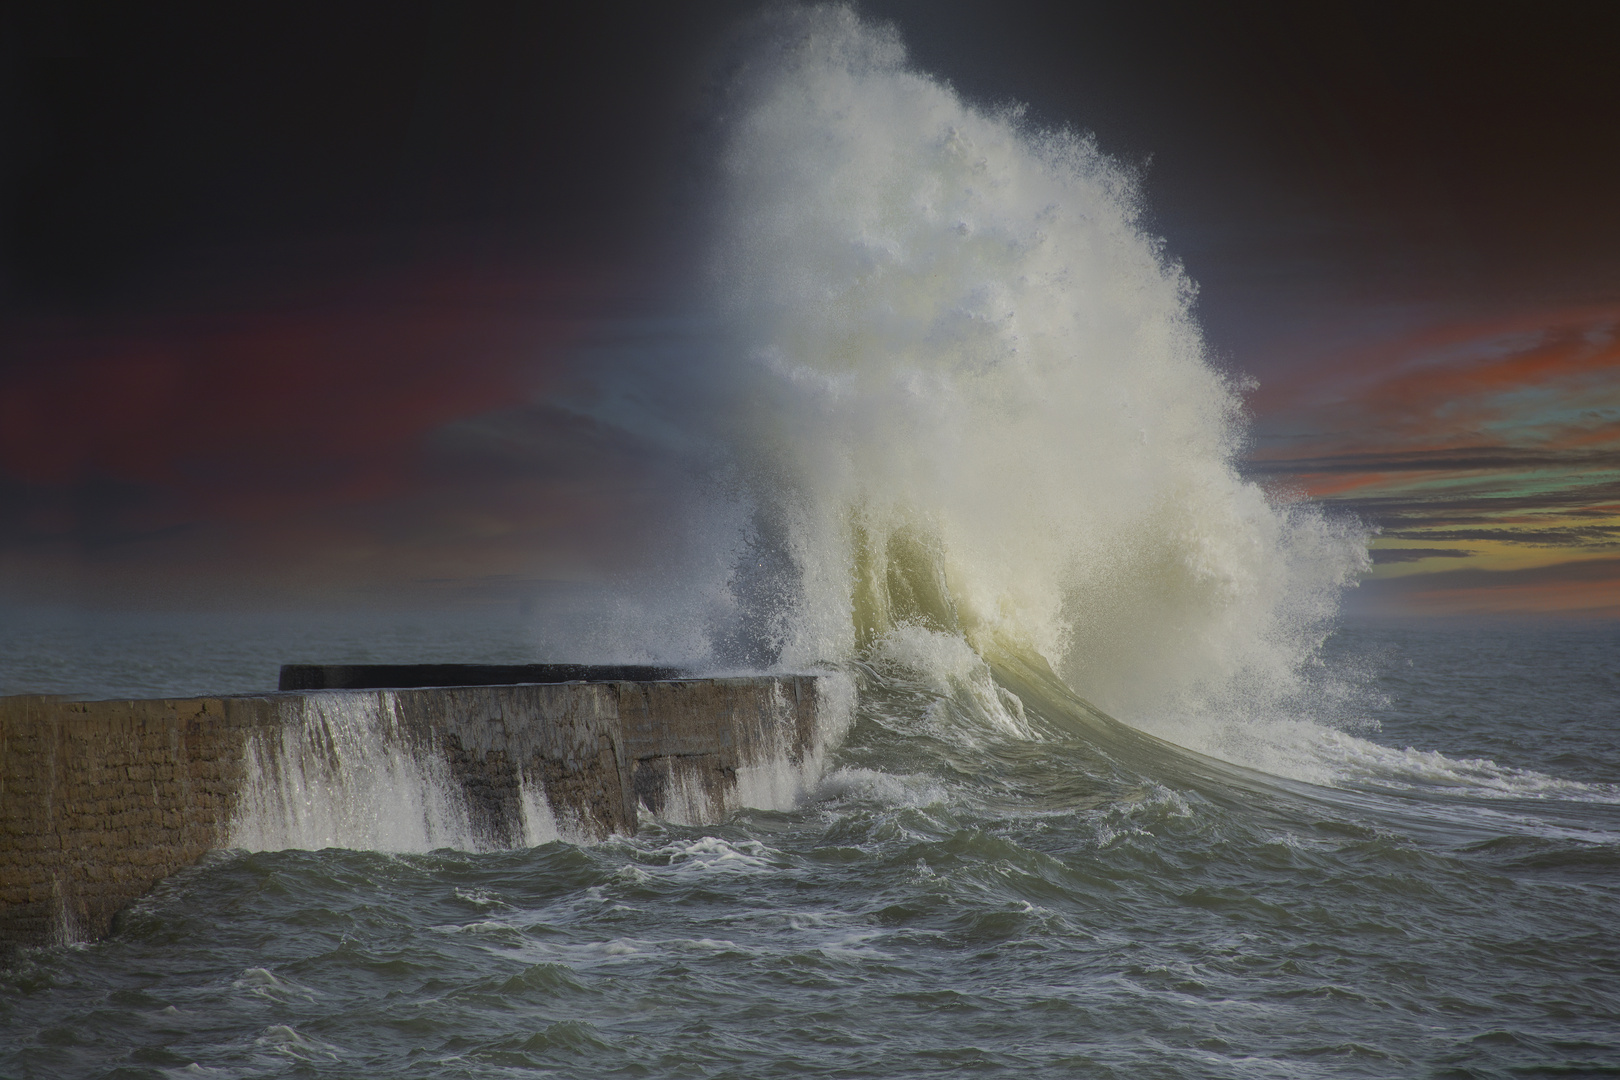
345	774
782	776
973	398
360	769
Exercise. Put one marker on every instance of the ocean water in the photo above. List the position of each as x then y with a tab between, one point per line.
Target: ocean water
1120	794
956	896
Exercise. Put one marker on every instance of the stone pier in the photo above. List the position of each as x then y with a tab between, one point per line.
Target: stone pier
99	800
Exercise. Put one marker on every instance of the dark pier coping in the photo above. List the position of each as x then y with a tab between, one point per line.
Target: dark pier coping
413	676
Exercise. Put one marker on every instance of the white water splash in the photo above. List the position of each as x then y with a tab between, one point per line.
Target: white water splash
344	774
783	778
775	772
977	398
539	823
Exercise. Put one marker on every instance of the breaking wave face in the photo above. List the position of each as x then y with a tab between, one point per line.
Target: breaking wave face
973	403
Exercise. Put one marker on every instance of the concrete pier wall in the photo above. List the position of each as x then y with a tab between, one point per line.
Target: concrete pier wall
99	800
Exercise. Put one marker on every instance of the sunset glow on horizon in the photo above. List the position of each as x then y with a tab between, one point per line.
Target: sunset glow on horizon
1487	452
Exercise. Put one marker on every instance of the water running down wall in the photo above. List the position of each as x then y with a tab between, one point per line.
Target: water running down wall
100	800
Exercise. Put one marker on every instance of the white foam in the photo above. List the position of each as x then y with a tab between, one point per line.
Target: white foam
261	982
1301	748
873	785
710	854
288	1041
1358	759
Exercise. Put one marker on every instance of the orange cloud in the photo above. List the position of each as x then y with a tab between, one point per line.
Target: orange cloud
1501	434
1583	587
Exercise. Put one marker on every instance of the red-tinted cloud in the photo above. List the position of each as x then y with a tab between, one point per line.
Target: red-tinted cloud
1487	451
293	442
263	412
1547	378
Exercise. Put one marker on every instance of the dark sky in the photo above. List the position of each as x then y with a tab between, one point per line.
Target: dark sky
284	287
1457	151
170	143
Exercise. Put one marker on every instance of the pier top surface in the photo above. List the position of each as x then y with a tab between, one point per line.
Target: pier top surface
409	676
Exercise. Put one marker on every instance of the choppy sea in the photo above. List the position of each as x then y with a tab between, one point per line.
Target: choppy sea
953	898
